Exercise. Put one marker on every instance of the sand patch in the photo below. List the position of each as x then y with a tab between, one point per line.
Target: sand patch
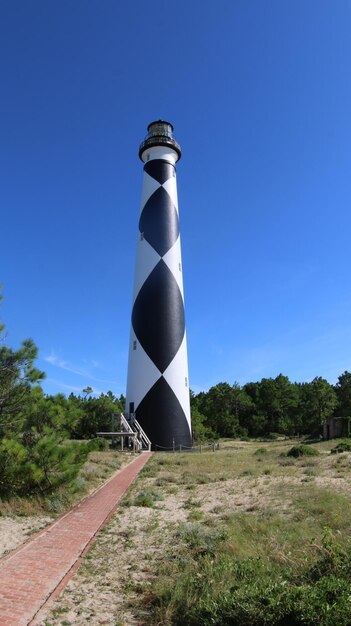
16	531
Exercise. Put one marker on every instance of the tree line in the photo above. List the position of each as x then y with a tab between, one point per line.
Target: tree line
272	405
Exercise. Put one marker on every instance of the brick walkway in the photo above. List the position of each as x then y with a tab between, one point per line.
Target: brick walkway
33	572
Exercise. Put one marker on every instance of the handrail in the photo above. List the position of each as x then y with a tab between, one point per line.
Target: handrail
160	140
126	427
142	434
142	437
125	423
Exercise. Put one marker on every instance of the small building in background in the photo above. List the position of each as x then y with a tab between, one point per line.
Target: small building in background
334	427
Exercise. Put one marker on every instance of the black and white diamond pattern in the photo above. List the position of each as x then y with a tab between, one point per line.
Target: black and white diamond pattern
158	370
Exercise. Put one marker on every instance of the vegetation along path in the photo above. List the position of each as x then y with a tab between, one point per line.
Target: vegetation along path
31	574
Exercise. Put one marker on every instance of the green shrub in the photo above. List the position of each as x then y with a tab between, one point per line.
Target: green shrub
302	450
162	482
150	470
260	451
145	498
343	446
78	485
39	464
56	503
200	539
99	443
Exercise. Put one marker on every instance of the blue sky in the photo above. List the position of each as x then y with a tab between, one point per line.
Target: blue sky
259	93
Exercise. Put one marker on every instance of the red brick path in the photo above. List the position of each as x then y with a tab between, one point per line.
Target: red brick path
30	574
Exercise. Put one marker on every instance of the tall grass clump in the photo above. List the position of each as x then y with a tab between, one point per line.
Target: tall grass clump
302	450
213	589
343	446
146	498
260	451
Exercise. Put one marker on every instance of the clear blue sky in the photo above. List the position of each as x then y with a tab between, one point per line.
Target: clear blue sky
259	93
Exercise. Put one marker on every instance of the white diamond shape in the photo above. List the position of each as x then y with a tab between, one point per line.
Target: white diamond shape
147	258
173	260
142	372
149	187
177	377
171	187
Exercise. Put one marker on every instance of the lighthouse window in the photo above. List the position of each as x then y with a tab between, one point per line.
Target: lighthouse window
134	344
180	266
186	381
141	236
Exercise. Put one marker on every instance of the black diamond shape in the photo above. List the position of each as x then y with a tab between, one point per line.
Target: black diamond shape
158	316
160	170
161	416
159	221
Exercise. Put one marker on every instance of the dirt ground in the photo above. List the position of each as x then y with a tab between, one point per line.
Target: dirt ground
14	531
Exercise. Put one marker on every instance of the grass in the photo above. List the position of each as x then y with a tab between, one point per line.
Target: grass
256	566
219	590
245	535
146	498
261	451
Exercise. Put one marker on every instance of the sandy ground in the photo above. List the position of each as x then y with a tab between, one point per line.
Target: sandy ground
122	560
115	575
15	531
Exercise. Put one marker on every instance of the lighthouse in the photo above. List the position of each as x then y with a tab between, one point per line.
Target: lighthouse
158	382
